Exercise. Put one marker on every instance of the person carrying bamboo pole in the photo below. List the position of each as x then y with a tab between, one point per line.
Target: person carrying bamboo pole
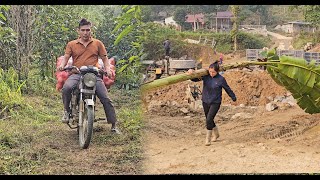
212	97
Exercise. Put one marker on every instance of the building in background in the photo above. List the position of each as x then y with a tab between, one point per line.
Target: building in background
295	27
196	21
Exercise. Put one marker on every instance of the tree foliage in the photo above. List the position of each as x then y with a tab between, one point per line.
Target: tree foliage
130	25
146	14
55	26
7	39
180	17
312	14
10	91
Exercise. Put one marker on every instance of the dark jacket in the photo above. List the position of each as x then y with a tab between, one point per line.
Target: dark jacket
212	88
166	44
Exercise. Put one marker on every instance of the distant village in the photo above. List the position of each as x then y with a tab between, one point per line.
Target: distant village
222	22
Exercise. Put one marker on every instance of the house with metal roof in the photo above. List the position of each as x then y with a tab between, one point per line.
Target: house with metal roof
294	27
223	21
220	22
196	20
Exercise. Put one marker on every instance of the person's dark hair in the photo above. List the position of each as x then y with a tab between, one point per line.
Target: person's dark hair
84	22
215	66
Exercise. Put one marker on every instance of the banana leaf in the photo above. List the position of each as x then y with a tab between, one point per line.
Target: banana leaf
299	77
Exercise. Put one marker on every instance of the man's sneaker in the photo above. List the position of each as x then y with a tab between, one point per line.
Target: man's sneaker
115	130
66	117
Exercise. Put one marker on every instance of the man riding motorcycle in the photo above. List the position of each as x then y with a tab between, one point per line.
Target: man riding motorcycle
85	51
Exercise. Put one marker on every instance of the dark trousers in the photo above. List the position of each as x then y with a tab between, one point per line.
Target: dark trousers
210	110
167	51
101	92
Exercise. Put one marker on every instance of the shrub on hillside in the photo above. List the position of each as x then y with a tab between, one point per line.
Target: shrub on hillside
250	41
10	91
153	45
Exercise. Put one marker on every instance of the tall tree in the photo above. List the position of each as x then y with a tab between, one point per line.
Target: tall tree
7	39
180	17
260	10
55	25
235	9
21	20
312	14
146	13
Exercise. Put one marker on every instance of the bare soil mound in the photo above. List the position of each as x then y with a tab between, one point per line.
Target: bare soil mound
315	48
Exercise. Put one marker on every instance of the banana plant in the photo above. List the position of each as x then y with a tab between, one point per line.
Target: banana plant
298	76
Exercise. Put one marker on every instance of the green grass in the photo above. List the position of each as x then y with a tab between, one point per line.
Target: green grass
34	141
303	38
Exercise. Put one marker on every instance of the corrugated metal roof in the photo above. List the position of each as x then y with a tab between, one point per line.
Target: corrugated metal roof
298	22
224	14
196	17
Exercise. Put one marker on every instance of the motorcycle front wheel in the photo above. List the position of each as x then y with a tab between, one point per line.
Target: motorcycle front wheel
86	128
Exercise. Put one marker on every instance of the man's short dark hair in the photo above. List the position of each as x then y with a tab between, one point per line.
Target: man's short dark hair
84	22
215	66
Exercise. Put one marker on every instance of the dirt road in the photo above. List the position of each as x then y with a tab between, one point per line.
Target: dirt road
175	145
252	139
281	42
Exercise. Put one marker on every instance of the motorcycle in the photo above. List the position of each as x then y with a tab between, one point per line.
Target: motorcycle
82	103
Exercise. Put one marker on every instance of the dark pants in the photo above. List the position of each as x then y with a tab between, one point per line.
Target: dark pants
167	51
210	110
101	92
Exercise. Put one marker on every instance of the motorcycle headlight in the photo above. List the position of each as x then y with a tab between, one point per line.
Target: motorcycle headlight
89	79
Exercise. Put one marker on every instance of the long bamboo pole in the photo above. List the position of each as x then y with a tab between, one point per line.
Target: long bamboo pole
196	74
172	80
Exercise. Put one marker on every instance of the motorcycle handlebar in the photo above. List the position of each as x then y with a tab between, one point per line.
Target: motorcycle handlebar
71	68
103	72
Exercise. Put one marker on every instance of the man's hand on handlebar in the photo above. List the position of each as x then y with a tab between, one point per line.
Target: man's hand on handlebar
106	73
72	69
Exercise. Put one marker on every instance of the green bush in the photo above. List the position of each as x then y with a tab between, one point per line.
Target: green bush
316	37
38	85
10	90
224	48
304	37
250	41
